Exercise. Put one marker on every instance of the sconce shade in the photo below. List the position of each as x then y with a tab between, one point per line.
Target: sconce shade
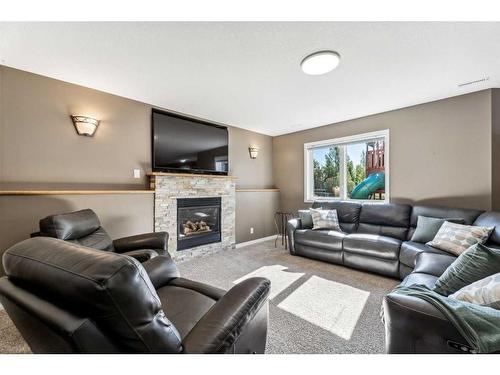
254	151
85	125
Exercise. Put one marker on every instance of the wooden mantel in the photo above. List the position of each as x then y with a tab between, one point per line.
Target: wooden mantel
73	192
192	175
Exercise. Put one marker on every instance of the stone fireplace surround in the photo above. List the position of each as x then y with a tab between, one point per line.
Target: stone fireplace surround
169	187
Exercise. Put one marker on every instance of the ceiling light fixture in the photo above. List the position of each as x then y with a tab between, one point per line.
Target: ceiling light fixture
320	62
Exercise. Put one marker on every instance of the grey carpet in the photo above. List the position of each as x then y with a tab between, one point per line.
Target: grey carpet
288	333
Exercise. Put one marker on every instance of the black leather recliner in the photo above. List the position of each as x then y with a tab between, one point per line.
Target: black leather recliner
66	298
84	228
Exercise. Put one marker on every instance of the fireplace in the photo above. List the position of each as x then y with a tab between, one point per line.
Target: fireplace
198	222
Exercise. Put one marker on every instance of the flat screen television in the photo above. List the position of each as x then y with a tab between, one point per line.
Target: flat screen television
185	145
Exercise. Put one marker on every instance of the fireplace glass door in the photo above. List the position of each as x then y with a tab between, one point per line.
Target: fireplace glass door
198	222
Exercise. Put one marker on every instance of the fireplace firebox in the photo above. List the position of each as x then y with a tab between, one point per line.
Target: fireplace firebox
198	222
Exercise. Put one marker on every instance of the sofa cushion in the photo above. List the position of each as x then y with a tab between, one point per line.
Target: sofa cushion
416	278
433	263
306	219
347	212
427	228
472	265
468	215
483	292
325	219
372	245
385	219
184	307
410	250
490	219
457	238
322	238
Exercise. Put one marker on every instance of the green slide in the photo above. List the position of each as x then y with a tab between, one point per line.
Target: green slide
368	186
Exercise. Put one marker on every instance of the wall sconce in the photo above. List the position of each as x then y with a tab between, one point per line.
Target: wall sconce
254	151
85	125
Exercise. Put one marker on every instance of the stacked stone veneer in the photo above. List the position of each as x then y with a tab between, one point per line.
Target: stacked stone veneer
170	187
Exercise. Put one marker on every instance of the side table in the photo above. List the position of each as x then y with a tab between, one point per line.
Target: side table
280	220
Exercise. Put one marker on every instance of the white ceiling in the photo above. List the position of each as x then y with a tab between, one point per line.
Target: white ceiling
248	74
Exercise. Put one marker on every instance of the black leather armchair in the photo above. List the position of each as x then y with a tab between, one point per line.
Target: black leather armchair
66	298
84	228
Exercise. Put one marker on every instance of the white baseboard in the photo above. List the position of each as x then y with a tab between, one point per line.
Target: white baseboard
243	244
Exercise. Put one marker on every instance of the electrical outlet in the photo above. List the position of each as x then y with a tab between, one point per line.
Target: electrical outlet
251	230
137	173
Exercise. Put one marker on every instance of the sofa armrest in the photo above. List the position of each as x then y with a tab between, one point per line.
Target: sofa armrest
155	241
161	270
141	255
432	263
208	290
291	226
220	328
413	325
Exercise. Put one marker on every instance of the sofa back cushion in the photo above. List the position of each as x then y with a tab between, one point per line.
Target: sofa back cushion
110	289
82	227
468	215
347	212
390	220
490	219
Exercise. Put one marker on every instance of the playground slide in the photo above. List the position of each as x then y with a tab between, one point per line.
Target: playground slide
368	186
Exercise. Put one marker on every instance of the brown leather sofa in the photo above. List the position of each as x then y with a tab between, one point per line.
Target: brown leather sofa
66	298
377	238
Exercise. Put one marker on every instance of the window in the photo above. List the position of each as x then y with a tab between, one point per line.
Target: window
354	168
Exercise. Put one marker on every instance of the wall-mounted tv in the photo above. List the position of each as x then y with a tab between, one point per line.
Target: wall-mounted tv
185	145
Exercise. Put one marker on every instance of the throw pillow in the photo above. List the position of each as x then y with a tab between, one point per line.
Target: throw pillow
306	218
472	265
427	228
325	219
483	292
456	238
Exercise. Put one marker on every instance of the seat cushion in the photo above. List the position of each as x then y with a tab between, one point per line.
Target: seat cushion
323	238
417	278
184	307
410	250
372	245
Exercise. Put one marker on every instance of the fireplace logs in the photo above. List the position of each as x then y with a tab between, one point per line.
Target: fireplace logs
190	227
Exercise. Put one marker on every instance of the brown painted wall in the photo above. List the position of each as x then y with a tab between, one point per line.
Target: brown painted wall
440	152
39	148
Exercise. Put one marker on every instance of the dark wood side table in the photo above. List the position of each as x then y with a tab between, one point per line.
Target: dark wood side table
280	220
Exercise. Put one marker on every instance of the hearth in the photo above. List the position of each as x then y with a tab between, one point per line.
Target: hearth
198	221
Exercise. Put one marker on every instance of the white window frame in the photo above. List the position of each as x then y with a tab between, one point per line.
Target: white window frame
308	165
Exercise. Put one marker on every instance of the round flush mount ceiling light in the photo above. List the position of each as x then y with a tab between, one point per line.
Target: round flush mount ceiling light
320	62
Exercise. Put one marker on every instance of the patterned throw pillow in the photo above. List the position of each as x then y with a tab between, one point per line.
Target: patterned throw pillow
427	228
456	238
483	292
325	219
